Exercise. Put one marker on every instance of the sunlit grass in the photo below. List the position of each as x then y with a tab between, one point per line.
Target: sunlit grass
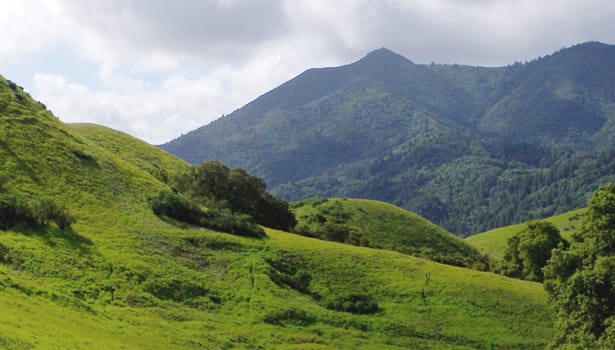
121	278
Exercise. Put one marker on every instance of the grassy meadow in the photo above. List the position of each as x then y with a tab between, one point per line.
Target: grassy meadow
122	278
493	242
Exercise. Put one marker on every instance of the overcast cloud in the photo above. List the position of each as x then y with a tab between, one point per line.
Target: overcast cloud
156	69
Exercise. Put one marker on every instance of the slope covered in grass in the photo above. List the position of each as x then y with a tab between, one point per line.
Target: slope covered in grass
123	278
134	151
382	225
493	242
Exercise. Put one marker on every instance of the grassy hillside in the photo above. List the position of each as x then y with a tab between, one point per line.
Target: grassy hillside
136	152
381	225
123	278
493	242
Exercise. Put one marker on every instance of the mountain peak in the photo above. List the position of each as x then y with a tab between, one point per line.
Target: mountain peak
588	49
384	56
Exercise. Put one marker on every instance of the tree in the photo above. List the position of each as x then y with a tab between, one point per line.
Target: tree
580	281
528	251
214	185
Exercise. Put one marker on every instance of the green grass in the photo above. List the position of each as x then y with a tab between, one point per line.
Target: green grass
389	227
136	152
121	278
493	242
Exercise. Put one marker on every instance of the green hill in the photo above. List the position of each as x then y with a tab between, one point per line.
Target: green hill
468	148
493	242
136	152
377	224
120	277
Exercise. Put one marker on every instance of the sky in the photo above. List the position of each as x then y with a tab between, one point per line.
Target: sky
157	69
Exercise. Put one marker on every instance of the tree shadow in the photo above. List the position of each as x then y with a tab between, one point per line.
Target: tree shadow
20	163
53	235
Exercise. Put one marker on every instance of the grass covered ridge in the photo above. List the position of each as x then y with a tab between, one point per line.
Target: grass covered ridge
123	278
381	225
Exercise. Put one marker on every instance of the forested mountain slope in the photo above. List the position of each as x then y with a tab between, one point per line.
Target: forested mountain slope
469	148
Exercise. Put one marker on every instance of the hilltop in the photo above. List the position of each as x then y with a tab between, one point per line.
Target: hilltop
121	277
377	224
469	148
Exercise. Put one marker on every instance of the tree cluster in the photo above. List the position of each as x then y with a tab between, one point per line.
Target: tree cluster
214	185
177	207
581	280
222	199
527	252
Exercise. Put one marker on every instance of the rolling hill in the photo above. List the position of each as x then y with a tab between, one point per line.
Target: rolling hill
469	148
120	277
493	242
377	224
136	152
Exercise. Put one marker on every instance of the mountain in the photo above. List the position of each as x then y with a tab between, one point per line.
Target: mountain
469	148
121	277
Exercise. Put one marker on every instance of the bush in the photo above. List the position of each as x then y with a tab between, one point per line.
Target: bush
292	316
353	303
63	218
8	211
177	207
15	211
174	289
290	270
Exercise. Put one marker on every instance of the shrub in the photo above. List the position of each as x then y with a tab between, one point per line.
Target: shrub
293	316
8	211
15	211
174	289
351	302
175	206
42	211
63	218
290	270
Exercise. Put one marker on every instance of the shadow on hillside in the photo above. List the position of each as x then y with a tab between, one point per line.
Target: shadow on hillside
22	165
54	236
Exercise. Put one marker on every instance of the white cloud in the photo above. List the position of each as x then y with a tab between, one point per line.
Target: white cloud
164	68
28	28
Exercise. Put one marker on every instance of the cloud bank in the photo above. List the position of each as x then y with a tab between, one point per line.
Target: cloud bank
156	69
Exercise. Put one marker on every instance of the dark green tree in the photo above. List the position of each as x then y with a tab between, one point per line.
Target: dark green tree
214	185
581	280
528	251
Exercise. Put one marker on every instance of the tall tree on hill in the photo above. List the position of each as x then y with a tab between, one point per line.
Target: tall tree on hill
581	280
